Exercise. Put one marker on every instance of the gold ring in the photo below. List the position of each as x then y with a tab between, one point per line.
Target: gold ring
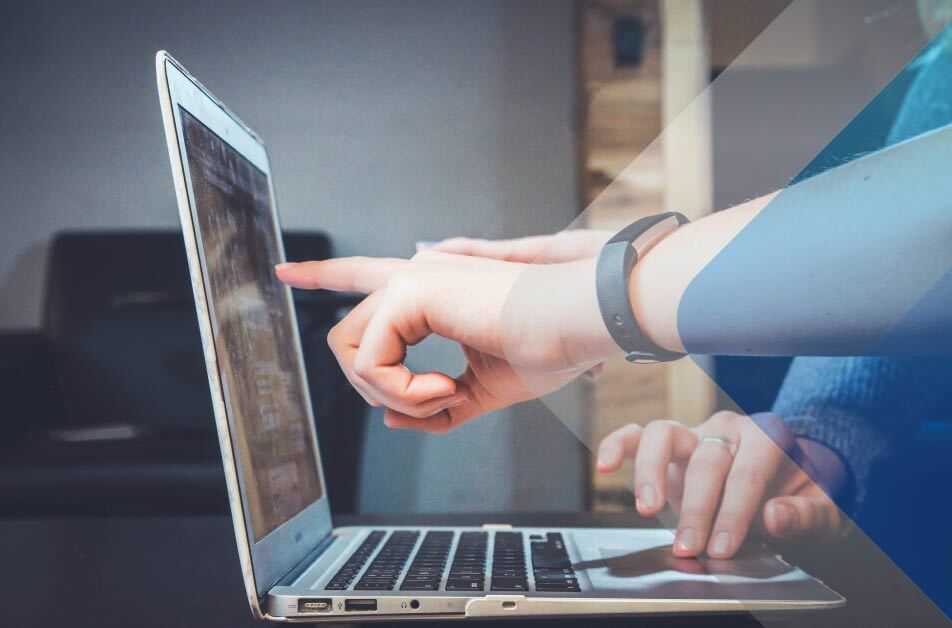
723	440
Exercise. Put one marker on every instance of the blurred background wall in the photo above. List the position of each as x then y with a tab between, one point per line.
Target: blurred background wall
393	122
387	123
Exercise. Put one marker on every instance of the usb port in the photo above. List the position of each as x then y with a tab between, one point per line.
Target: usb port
315	605
360	605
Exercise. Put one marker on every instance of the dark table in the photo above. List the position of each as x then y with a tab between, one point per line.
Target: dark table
183	572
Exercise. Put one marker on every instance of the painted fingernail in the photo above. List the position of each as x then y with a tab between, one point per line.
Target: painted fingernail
722	544
648	496
687	541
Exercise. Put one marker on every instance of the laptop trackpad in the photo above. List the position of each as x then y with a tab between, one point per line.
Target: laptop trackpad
641	561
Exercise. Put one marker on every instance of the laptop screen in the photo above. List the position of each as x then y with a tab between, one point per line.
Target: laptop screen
252	325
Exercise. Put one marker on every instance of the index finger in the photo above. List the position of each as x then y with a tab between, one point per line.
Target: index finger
343	274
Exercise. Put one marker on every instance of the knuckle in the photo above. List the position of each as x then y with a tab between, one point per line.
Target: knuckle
658	428
458	241
362	369
750	475
695	515
629	432
723	417
731	520
424	255
404	286
400	282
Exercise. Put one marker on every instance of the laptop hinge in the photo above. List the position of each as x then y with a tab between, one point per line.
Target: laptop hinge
305	562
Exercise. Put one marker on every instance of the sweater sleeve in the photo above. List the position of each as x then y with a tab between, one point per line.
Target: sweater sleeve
862	408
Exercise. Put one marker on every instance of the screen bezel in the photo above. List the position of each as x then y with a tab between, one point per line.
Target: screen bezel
263	562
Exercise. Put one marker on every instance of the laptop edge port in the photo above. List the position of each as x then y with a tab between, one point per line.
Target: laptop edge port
360	605
315	605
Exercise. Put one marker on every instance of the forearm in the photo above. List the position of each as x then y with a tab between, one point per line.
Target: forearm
658	281
829	266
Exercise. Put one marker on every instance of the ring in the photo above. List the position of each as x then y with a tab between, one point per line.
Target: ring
722	440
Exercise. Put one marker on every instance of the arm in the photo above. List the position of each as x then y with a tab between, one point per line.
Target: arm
862	408
829	266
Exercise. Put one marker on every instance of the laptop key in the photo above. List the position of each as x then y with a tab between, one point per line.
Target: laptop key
373	586
557	588
464	584
420	585
553	577
509	584
551	565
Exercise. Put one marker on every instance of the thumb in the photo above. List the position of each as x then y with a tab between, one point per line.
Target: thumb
796	515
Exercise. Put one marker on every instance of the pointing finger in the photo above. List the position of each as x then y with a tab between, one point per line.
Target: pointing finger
344	274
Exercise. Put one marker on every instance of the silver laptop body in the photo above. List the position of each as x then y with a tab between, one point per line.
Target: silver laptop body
296	565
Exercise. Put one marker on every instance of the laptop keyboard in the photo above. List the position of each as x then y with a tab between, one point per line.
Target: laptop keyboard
468	571
426	570
551	568
346	574
387	566
509	563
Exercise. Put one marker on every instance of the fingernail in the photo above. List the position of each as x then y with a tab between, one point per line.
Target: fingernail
602	467
423	245
722	544
458	402
284	265
687	541
782	517
648	496
454	403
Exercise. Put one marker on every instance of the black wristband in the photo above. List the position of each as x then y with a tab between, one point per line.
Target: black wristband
614	266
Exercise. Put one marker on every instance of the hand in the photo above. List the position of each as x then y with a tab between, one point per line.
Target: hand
564	246
720	495
525	330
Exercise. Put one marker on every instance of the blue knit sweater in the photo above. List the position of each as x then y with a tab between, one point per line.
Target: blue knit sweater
862	407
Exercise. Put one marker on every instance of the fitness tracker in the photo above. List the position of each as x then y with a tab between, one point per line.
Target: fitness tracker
615	262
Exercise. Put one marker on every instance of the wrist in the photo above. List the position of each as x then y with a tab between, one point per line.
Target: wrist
551	318
582	326
655	292
593	338
825	467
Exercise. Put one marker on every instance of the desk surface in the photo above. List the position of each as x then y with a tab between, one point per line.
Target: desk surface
183	572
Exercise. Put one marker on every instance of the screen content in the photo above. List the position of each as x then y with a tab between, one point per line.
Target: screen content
253	331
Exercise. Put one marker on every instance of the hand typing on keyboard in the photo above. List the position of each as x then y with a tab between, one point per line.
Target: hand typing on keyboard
728	474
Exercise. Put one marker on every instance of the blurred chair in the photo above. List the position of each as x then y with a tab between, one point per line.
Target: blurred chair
108	405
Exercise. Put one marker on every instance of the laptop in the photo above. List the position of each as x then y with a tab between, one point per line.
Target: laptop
296	564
